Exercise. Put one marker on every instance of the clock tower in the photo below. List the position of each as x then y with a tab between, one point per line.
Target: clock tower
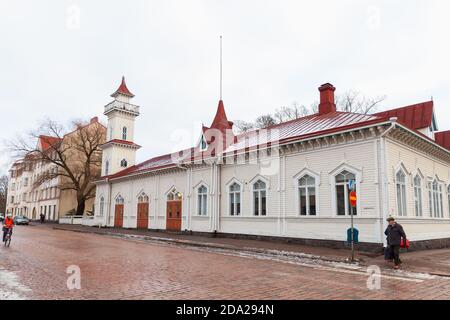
119	152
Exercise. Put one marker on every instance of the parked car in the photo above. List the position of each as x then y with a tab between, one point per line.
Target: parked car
21	220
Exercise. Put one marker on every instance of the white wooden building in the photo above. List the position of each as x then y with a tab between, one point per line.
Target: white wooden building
288	181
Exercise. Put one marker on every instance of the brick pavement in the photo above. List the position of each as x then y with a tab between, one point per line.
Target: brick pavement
426	261
34	267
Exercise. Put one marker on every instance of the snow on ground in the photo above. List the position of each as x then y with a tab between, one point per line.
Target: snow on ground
297	258
10	287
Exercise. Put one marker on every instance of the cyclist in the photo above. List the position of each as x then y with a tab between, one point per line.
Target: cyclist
8	225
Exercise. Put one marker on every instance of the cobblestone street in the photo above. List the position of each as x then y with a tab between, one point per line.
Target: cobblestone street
35	266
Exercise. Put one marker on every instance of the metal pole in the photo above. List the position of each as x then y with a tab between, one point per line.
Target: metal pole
352	238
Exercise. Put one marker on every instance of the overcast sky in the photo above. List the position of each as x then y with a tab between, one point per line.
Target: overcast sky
63	59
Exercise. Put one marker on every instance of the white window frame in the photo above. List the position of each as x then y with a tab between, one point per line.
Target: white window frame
252	183
448	199
241	192
107	164
202	207
402	204
119	199
358	176
101	206
296	187
418	196
435	198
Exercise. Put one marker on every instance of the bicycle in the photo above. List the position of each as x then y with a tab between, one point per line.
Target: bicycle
7	240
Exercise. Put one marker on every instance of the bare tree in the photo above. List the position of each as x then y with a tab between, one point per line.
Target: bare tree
74	157
243	126
350	101
3	193
292	112
265	121
355	102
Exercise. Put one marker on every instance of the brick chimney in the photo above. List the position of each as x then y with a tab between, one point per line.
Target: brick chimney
327	104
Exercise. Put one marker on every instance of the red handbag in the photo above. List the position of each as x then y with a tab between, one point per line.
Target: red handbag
402	244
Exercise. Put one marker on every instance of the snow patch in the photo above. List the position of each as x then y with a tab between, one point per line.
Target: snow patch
10	287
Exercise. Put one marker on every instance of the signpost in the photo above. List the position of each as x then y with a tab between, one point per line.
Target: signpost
353	199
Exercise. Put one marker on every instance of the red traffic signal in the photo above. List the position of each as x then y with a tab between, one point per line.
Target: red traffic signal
352	198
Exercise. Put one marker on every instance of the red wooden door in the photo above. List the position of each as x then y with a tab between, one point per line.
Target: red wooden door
142	216
118	216
173	216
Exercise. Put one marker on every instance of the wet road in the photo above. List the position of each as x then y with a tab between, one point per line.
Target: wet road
37	263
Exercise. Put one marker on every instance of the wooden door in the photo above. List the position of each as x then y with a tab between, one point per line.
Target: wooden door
118	216
142	216
173	216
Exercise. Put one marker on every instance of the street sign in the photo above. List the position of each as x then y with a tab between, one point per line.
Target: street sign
352	235
351	185
352	198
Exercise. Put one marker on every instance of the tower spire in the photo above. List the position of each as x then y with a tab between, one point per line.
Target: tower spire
220	67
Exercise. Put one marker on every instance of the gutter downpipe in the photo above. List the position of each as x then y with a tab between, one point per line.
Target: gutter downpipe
385	193
108	215
188	195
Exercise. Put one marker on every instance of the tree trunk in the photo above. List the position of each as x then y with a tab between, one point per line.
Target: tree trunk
80	207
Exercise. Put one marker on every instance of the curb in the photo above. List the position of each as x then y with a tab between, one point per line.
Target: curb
211	245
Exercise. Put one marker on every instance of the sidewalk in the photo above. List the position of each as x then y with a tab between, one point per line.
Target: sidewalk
435	262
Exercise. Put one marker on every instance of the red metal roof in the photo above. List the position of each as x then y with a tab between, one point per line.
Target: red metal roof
416	116
443	139
123	90
129	143
309	126
47	142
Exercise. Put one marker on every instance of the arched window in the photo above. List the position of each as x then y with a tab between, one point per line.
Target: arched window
342	193
102	206
174	195
203	144
435	199
400	182
120	200
124	133
259	198
448	199
106	167
235	199
307	195
418	196
143	198
123	163
202	201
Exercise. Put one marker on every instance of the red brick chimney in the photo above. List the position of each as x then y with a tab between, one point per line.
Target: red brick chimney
327	104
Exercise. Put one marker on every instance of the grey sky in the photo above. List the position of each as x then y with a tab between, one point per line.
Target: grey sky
275	52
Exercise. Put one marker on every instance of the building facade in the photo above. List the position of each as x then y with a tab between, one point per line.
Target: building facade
287	181
30	195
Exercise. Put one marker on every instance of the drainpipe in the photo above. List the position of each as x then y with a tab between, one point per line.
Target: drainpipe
385	191
108	214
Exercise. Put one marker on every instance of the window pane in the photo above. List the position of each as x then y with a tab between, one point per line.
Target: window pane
302	192
232	204
205	212
340	199
312	201
238	203
399	200
256	203
263	203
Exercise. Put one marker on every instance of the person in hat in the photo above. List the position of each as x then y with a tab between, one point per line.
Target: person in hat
395	233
